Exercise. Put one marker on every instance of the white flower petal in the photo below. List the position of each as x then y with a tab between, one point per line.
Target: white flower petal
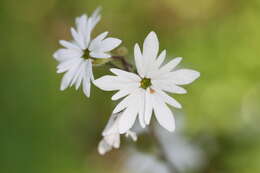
123	104
168	86
132	135
125	74
67	65
95	14
165	69
81	23
127	120
150	51
95	43
103	147
171	65
175	89
138	60
124	92
154	67
79	70
112	125
148	107
166	98
160	58
66	54
127	101
87	78
87	33
69	45
91	71
151	46
80	77
95	17
184	76
109	43
110	83
163	115
141	105
120	94
78	38
84	29
65	82
113	140
99	55
86	86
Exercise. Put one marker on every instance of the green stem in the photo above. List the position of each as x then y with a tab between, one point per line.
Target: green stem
162	152
126	66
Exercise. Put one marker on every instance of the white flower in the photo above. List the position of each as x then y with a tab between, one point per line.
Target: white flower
179	150
78	55
139	162
111	135
145	92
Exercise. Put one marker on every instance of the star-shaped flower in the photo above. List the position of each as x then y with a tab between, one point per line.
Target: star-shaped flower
145	92
78	56
111	135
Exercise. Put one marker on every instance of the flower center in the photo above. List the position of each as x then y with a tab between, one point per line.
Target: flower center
145	83
86	54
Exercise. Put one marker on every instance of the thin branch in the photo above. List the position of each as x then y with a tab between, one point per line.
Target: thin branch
163	152
112	65
127	66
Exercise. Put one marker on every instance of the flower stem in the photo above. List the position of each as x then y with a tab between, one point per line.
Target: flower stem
162	152
113	65
127	66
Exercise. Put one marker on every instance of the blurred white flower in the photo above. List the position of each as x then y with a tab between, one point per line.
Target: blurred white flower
180	151
78	55
146	91
111	135
139	162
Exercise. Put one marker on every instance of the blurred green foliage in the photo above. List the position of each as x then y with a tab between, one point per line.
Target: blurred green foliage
45	130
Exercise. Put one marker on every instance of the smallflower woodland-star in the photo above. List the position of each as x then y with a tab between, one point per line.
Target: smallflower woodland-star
111	135
146	91
77	56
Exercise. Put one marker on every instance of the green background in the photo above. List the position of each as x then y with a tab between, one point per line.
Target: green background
46	130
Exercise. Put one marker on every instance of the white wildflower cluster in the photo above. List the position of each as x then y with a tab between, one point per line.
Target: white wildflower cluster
143	92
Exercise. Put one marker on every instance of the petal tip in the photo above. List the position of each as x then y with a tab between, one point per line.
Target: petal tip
55	55
113	69
171	129
113	98
62	88
152	35
198	74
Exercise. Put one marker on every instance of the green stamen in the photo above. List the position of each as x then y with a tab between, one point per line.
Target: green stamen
145	83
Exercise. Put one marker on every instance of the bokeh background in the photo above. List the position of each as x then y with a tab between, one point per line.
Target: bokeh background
46	130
